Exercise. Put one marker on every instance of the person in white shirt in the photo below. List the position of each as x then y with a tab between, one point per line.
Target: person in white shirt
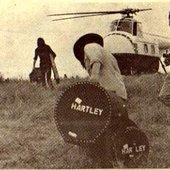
102	68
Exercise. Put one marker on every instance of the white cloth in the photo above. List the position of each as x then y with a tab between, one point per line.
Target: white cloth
109	76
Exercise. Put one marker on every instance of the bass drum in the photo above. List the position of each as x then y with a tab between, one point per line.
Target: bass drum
130	147
83	113
122	146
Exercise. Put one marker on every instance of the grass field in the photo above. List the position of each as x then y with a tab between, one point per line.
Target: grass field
29	137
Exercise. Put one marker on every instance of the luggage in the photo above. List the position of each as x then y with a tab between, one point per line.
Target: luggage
35	75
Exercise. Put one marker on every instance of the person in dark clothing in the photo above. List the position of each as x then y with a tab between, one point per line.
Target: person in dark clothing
44	51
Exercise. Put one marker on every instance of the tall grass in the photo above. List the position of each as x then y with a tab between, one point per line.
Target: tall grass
29	137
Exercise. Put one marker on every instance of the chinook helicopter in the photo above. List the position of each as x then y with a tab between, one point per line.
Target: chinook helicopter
136	52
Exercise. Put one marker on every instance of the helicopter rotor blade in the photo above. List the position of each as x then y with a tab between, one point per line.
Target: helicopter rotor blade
81	16
147	9
126	11
133	11
86	13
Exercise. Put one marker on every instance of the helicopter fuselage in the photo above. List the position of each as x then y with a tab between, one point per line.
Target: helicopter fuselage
134	52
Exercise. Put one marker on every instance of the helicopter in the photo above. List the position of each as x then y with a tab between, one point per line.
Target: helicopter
136	52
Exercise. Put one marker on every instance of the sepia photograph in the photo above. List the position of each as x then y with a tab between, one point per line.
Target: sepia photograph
84	84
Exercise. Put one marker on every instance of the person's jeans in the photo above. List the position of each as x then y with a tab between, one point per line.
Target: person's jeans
118	106
46	74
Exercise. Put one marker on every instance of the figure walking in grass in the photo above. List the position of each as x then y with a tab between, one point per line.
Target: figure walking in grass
44	51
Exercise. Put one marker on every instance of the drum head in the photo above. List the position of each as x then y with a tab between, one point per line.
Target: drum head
131	147
83	113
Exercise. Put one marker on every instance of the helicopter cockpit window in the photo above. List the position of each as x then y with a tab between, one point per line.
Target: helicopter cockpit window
113	26
139	29
122	25
125	25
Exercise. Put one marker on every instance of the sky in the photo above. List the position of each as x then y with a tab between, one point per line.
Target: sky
22	22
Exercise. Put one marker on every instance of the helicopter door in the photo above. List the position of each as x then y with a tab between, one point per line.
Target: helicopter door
137	29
